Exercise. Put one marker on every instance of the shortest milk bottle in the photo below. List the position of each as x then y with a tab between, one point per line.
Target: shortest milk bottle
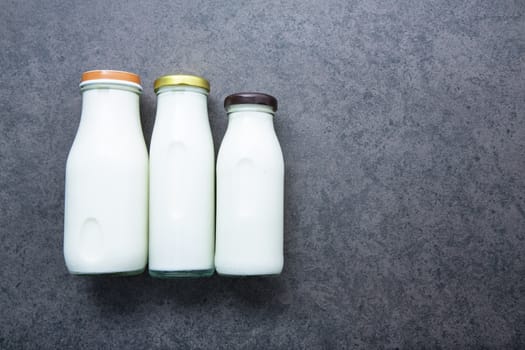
250	189
106	198
182	180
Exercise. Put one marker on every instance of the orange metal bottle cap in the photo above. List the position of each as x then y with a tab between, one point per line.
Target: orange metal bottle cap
110	74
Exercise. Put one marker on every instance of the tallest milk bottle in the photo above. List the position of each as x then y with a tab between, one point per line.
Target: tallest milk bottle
105	219
182	181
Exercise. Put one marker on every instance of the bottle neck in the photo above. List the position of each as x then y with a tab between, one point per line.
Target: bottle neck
251	116
185	103
110	106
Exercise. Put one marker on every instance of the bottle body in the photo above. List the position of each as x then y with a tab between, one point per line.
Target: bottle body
105	219
182	185
250	195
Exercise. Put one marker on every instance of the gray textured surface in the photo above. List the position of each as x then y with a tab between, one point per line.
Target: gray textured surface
403	129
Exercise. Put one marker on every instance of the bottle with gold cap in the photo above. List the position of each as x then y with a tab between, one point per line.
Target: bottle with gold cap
106	201
182	180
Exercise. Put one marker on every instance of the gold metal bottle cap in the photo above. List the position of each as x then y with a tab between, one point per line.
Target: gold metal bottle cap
181	79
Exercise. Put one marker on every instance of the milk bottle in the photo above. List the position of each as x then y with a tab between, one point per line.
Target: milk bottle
106	203
182	180
250	185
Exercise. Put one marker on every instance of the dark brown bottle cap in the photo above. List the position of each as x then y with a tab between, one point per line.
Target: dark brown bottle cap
255	98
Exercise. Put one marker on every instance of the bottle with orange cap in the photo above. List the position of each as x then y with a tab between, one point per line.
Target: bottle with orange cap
106	195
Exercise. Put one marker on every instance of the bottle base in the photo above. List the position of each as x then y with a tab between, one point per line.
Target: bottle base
277	274
109	274
181	274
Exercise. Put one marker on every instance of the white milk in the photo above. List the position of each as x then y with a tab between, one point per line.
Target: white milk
105	229
182	185
250	180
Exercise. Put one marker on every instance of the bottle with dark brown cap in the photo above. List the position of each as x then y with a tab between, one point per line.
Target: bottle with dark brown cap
250	189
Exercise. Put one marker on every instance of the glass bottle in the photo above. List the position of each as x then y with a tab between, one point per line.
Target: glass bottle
250	189
182	180
106	204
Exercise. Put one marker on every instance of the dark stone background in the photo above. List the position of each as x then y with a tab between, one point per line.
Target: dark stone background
403	130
